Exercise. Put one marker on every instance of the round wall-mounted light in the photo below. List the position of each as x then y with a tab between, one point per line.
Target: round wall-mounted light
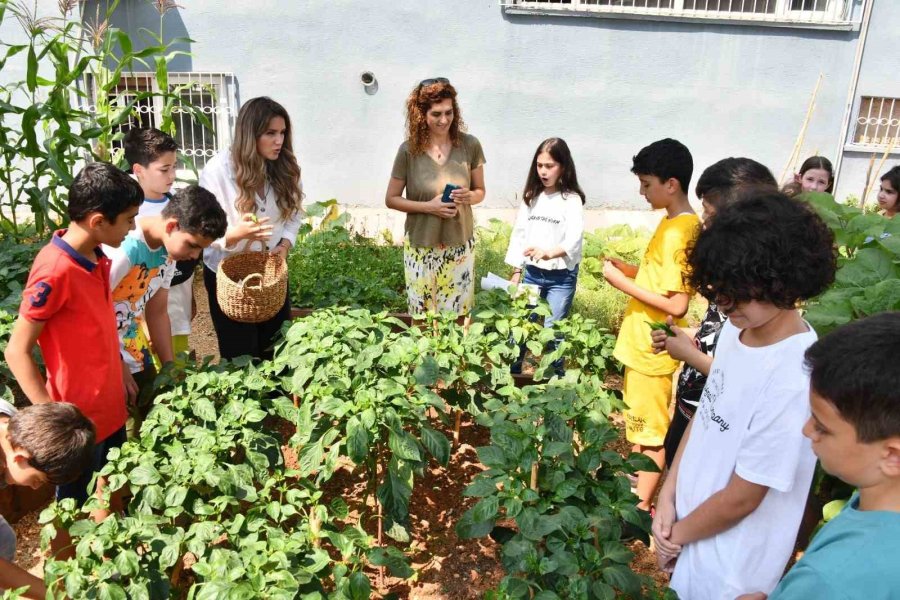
370	84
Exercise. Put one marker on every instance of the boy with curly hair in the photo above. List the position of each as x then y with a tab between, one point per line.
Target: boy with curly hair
729	510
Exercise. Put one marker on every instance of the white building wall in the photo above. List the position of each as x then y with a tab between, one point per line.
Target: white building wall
607	86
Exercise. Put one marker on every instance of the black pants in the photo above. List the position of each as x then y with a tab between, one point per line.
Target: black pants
239	339
676	431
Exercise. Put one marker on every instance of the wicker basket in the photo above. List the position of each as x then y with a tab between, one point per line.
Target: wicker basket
251	286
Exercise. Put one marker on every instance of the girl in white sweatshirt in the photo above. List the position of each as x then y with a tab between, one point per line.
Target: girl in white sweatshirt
547	237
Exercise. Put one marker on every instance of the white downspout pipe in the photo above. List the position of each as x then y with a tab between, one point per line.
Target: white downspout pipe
854	84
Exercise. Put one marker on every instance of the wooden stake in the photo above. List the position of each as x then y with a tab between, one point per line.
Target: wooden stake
884	157
534	476
798	145
865	192
296	400
380	544
456	427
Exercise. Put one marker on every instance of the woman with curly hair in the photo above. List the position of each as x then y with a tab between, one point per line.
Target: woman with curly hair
438	254
729	510
257	182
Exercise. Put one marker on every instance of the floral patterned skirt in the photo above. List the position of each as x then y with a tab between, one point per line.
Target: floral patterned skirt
440	278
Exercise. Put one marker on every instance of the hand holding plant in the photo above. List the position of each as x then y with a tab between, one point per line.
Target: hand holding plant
249	228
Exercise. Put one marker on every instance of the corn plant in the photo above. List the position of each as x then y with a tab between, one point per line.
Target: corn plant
45	133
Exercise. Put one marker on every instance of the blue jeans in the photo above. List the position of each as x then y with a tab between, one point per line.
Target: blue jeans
557	287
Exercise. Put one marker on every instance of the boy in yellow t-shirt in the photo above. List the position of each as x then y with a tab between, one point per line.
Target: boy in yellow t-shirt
657	289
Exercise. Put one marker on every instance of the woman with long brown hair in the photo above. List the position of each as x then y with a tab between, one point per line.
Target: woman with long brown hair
439	243
257	182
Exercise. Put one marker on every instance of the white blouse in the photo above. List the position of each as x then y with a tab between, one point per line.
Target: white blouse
552	220
218	178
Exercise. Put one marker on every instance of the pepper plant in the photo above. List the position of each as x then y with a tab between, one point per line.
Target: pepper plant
210	495
550	469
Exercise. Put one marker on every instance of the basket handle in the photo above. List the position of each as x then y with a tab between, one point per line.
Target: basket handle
249	246
245	282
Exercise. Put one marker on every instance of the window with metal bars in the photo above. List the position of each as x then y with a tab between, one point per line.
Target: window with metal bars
878	123
800	12
212	94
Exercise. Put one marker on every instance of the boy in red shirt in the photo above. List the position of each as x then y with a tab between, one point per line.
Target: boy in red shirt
67	311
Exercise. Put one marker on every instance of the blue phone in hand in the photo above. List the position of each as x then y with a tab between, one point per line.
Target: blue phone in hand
447	189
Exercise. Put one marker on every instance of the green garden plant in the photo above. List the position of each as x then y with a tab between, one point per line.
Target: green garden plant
868	276
550	469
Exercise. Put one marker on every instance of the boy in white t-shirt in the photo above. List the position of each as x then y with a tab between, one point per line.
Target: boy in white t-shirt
152	155
729	510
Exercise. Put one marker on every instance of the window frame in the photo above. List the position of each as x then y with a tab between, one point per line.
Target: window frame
852	145
222	113
837	15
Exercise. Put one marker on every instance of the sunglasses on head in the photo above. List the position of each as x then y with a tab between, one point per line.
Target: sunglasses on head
427	82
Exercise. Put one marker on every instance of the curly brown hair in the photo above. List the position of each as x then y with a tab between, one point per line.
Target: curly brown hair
418	103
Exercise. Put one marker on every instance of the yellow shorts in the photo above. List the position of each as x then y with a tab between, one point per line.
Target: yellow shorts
179	344
647	398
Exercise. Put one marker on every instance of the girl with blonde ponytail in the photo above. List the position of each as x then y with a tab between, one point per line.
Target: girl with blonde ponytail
257	183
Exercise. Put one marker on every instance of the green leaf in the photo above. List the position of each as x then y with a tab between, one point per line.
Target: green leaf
468	527
144	475
535	526
603	591
395	492
360	588
310	458
437	445
492	456
175	495
393	559
481	487
204	409
623	579
404	446
126	562
32	69
357	440
486	509
427	372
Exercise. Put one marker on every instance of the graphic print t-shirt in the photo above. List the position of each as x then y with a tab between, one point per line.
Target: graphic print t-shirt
749	422
137	273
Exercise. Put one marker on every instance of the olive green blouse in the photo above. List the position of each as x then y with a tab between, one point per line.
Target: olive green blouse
425	179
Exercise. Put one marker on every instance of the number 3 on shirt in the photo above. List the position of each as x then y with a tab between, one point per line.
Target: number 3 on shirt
42	290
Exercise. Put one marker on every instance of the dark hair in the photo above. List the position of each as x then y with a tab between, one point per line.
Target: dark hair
568	179
893	175
764	246
59	438
665	159
143	146
855	368
722	182
197	212
819	162
101	187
